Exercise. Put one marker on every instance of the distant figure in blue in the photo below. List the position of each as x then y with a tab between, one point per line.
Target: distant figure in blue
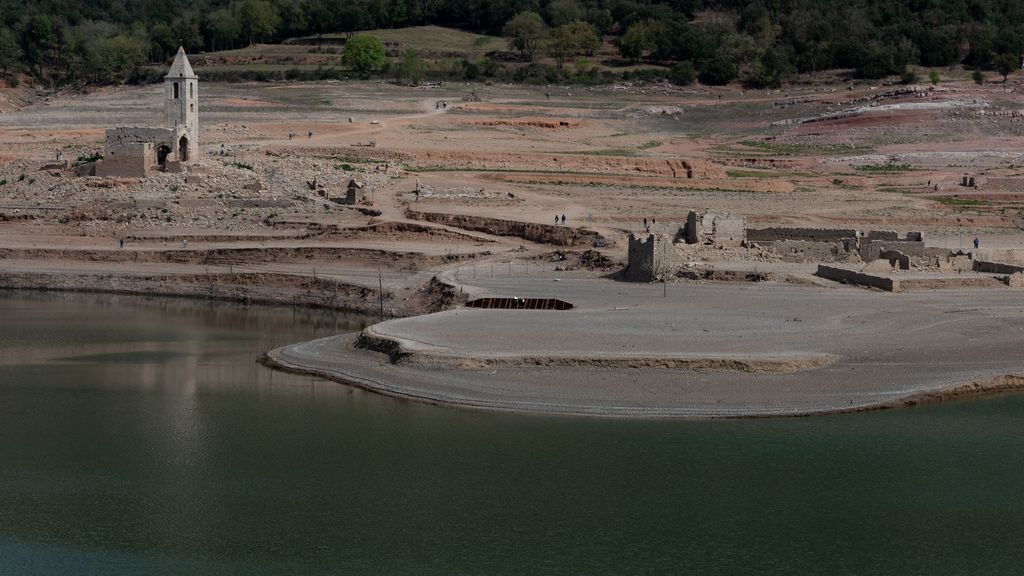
976	243
563	219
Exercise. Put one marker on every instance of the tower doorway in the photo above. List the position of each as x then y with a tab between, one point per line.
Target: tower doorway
162	152
183	151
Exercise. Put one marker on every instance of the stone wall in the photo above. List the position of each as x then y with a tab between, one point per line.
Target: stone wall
122	167
803	251
872	249
896	259
996	267
892	235
858	278
540	233
119	140
715	228
1008	256
804	234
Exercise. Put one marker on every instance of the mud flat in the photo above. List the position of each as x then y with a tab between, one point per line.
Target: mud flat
698	351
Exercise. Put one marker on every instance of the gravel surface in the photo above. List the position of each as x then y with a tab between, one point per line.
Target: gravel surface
886	347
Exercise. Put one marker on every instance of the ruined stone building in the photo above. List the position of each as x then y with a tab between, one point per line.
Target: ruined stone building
131	152
650	258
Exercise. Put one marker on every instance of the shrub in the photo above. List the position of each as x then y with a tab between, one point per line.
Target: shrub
683	73
90	158
717	71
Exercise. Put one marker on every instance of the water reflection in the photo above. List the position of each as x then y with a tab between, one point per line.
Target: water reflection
140	436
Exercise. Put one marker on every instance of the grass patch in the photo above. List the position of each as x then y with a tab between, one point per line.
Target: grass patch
436	42
607	152
800	149
346	167
748	174
954	201
650	144
885	168
239	165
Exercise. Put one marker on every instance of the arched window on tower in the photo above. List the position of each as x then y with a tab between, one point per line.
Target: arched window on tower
176	91
191	90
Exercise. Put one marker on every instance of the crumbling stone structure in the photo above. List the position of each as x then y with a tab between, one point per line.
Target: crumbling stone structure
649	258
354	194
801	234
131	152
715	228
840	244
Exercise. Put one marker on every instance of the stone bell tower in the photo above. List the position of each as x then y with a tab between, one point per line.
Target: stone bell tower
181	106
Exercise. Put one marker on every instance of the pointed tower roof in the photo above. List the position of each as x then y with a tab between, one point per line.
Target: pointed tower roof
180	68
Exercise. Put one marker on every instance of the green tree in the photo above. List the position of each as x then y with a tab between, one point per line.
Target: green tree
222	26
319	19
410	67
770	70
113	60
979	77
163	42
10	52
561	45
718	70
1006	64
37	41
933	76
640	39
561	12
585	36
571	40
525	32
363	54
259	19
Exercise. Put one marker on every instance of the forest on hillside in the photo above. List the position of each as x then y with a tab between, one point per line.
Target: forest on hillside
759	42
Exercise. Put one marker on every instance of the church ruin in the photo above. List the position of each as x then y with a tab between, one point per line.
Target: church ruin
131	152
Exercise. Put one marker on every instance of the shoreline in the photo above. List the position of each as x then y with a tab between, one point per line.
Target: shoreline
1003	384
172	285
704	351
422	361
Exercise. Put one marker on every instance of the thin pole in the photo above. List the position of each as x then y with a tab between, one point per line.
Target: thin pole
380	290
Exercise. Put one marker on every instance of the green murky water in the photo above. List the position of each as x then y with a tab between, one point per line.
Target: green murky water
140	437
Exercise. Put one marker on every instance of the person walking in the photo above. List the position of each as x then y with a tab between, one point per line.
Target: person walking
976	243
556	219
563	219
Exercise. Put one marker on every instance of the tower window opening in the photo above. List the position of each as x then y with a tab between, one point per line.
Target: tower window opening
176	91
191	90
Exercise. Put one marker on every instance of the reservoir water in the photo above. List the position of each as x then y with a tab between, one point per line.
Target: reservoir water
140	436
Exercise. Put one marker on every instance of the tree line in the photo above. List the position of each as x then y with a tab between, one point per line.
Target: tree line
759	42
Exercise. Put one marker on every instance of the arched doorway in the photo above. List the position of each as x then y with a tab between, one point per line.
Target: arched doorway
183	149
162	152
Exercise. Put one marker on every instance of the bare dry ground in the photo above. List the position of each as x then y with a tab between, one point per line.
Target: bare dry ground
874	157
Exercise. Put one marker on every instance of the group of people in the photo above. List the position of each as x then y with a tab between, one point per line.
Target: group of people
556	219
647	227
